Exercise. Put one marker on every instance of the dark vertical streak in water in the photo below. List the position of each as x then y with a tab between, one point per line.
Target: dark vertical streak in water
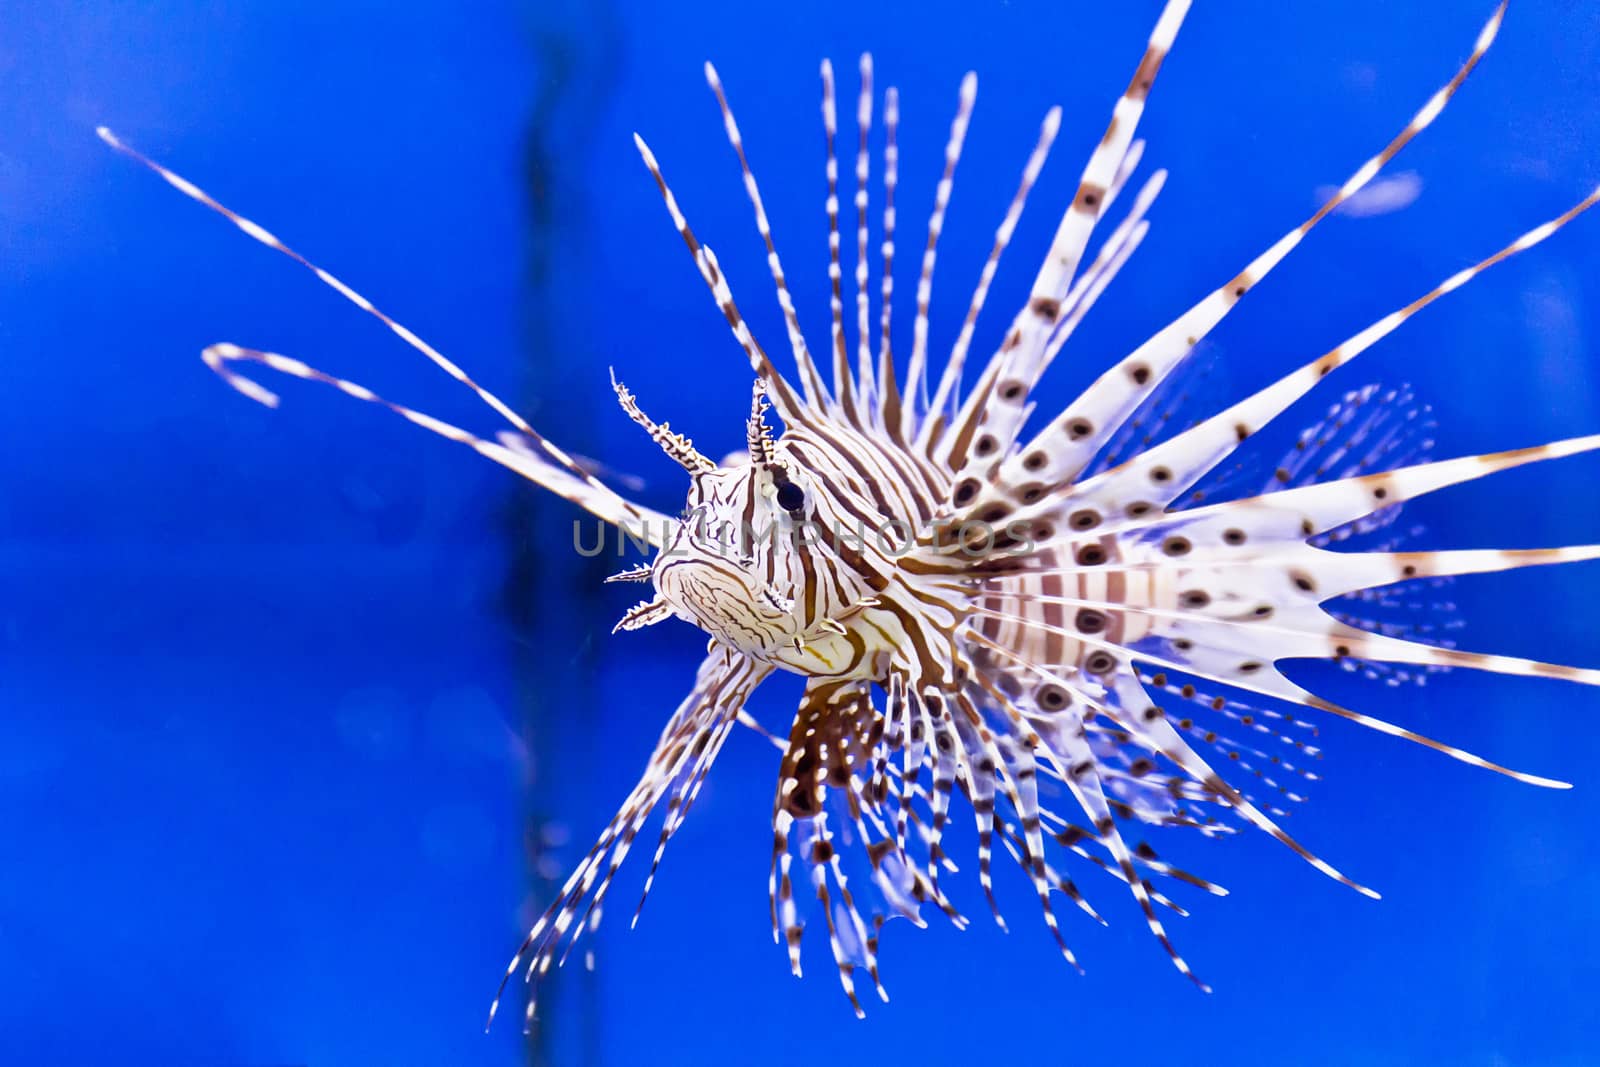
549	588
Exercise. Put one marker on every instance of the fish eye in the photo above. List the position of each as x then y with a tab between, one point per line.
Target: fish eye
791	497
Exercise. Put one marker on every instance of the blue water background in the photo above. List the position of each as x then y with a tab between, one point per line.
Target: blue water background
300	710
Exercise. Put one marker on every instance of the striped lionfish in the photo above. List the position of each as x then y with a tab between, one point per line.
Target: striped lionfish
1052	589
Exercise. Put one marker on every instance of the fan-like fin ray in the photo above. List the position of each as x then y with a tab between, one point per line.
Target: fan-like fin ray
1022	354
1066	445
843	380
889	410
869	388
951	378
810	377
971	442
789	406
914	404
1161	474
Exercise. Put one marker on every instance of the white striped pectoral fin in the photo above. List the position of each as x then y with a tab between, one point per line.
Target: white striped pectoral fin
534	458
1104	172
542	462
1105	166
1214	633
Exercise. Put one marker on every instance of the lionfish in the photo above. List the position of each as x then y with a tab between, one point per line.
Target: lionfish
1049	590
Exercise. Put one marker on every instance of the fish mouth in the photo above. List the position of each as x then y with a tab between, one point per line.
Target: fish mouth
720	598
